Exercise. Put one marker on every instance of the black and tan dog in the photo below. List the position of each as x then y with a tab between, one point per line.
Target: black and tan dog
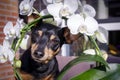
39	61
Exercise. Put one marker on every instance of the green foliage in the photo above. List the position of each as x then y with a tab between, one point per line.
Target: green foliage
82	58
97	74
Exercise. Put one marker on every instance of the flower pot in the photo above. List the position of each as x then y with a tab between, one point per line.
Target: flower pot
6	71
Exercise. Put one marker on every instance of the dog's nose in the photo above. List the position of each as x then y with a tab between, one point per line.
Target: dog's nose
39	54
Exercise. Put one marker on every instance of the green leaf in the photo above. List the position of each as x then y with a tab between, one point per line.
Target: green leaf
113	73
82	58
96	74
91	74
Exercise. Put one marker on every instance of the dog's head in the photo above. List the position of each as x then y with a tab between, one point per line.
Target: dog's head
47	39
46	42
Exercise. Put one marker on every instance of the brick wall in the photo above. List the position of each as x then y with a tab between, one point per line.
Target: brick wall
8	12
6	71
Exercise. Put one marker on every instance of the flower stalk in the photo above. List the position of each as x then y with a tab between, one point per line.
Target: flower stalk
98	52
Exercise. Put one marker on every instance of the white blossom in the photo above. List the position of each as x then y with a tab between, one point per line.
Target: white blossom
62	9
74	22
9	30
77	23
6	53
26	7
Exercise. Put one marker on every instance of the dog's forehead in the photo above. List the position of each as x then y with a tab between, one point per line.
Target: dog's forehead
49	32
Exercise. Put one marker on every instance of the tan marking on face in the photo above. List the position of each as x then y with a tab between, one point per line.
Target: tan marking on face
40	33
52	37
50	53
34	47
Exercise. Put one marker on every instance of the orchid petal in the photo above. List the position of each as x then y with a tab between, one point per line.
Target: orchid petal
44	12
89	10
72	5
92	25
6	44
102	35
90	51
49	1
63	24
25	44
17	29
104	54
58	21
101	38
54	9
10	55
74	22
7	27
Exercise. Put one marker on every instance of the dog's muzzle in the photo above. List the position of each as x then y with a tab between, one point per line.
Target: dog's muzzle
38	54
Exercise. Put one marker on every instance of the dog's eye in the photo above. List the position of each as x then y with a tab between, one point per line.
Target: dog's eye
55	44
33	40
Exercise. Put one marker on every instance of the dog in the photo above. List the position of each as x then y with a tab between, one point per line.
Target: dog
39	61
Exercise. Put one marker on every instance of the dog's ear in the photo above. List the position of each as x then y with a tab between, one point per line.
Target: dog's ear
68	37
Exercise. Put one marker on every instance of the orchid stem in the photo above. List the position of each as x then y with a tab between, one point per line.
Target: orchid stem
96	46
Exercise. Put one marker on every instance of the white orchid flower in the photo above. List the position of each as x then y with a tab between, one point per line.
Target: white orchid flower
26	7
6	53
89	10
90	51
66	9
9	30
76	23
25	44
18	26
54	9
102	35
